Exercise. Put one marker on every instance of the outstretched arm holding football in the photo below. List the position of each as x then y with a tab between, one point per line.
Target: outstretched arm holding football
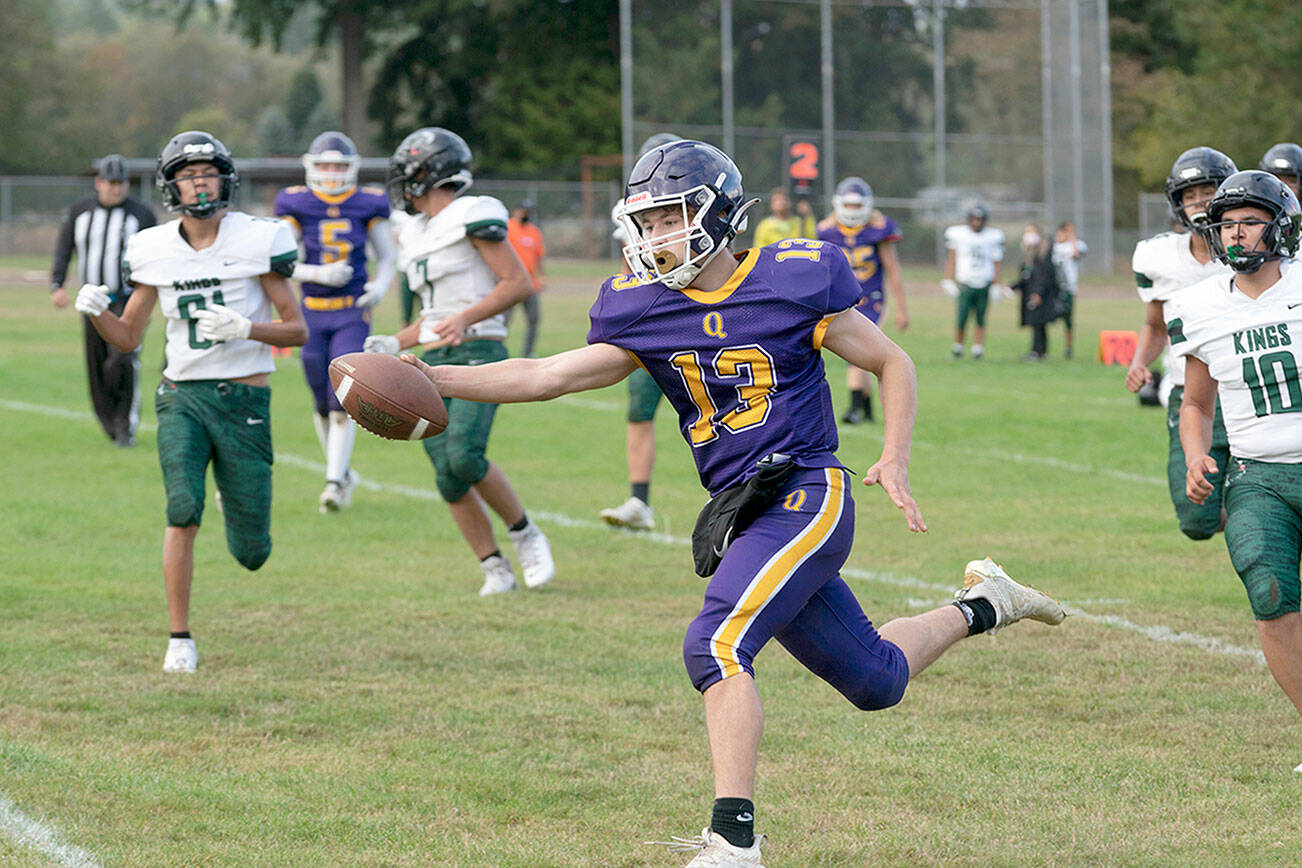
514	381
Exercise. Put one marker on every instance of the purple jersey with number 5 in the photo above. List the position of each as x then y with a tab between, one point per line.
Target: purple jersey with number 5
742	364
333	227
861	247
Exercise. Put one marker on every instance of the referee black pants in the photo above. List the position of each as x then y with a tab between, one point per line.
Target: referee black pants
114	378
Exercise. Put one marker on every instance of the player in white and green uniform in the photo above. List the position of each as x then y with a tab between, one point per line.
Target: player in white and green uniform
971	268
1165	265
220	278
1242	338
458	261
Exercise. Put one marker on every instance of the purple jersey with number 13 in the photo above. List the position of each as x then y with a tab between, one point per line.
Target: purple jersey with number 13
741	365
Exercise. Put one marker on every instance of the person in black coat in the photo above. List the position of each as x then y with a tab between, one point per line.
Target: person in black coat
1040	287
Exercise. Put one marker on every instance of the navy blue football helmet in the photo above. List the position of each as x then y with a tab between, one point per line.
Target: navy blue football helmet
428	158
195	146
655	140
331	148
1254	189
1283	161
853	201
1196	166
705	183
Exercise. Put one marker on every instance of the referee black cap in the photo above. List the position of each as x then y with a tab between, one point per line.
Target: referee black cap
113	168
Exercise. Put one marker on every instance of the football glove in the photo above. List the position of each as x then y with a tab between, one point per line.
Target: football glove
93	300
950	287
329	274
221	323
373	293
381	344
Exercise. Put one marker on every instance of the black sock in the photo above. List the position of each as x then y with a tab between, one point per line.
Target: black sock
856	400
180	634
497	553
521	524
641	490
980	615
734	819
867	406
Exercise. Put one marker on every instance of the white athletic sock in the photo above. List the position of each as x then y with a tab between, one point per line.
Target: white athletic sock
322	426
339	446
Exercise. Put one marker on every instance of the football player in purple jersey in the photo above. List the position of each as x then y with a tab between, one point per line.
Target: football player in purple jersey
335	220
868	237
735	342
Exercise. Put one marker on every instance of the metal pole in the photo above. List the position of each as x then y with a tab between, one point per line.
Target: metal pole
828	172
626	81
6	214
725	63
1046	111
938	90
1105	131
1077	121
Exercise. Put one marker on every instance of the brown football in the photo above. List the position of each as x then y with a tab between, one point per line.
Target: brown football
387	396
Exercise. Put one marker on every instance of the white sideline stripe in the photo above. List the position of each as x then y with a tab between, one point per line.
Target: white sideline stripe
41	837
1156	633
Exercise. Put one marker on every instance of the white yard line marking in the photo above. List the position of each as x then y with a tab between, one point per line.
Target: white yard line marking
1155	633
41	837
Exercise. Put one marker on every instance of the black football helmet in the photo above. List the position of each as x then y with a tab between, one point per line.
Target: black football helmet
331	148
1196	166
1256	189
428	158
195	146
706	184
1283	160
978	211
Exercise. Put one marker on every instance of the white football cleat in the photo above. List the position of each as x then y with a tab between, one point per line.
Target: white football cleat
716	852
633	513
1012	602
534	554
498	576
338	495
182	656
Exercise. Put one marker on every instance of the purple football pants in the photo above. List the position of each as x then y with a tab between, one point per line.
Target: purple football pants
330	334
780	579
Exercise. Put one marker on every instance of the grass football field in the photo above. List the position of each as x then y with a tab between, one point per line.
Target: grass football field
357	704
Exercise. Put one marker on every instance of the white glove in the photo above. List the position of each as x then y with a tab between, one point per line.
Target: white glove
381	344
330	274
950	287
92	300
373	293
998	292
221	323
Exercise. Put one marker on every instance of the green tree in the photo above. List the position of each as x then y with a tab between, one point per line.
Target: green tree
302	100
273	135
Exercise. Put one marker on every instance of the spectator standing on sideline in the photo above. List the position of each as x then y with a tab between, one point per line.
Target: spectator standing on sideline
1038	283
527	239
782	222
971	269
1067	250
96	230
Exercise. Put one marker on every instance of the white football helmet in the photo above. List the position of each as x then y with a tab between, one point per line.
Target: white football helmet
331	148
853	202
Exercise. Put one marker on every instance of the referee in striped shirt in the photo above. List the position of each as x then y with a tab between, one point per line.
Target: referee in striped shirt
97	229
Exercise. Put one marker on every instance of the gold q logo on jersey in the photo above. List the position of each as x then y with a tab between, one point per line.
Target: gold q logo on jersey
713	325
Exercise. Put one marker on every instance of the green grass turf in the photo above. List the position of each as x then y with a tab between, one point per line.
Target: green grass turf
358	705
